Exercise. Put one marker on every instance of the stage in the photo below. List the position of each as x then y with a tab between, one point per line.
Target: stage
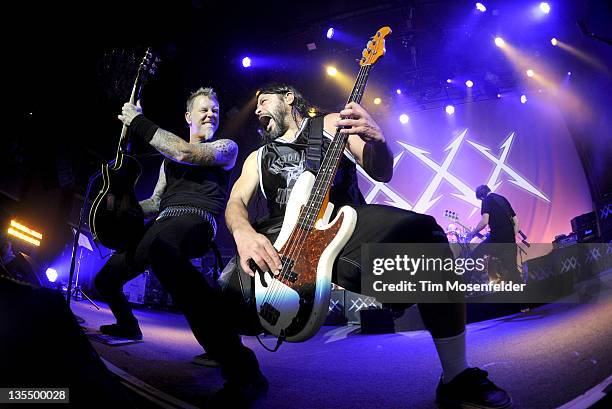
545	358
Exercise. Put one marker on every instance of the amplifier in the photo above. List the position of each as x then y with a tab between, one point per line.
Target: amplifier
564	240
585	227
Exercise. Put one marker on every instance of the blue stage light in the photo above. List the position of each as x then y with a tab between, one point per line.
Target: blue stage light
51	275
481	7
450	110
246	62
330	32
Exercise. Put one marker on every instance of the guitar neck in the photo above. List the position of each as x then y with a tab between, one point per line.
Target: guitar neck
331	160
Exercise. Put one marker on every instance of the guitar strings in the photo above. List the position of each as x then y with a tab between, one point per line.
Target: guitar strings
336	150
307	218
297	242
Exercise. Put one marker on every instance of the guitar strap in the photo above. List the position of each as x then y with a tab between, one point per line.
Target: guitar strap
314	150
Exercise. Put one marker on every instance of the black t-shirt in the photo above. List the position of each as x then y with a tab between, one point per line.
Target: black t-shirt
500	216
281	163
205	187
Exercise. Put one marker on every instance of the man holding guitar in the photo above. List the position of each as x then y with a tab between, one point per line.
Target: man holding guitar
190	194
498	214
288	151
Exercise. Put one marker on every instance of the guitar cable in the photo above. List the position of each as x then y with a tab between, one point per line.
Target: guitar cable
281	337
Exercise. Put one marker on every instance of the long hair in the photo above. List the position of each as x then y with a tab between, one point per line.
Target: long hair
300	105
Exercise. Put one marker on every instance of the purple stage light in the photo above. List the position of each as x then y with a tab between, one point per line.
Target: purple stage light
498	95
448	81
499	42
545	7
404	118
569	73
523	99
51	275
246	62
481	7
450	110
554	41
398	91
330	32
469	84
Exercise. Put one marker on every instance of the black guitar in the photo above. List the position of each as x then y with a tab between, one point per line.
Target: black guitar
116	219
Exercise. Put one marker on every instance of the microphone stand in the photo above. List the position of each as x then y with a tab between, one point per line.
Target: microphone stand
75	243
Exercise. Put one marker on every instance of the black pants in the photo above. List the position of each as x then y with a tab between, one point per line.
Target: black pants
167	246
384	224
504	248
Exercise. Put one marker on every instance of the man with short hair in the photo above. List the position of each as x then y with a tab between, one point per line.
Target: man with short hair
274	168
499	215
190	194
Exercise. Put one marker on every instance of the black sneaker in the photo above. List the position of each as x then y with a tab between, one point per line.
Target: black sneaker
205	360
472	389
122	331
239	395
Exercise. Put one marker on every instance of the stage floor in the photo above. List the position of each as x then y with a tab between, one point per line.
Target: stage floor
545	358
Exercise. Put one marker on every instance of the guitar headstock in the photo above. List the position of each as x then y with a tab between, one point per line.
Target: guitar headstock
451	215
148	65
375	47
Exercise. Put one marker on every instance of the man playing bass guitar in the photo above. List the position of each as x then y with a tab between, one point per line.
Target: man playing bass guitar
274	169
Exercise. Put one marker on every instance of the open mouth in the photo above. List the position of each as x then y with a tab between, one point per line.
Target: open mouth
265	121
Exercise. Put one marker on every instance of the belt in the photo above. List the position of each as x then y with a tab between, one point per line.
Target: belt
181	210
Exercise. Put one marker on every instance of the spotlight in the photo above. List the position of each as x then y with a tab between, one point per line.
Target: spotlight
312	112
499	42
469	84
332	71
450	109
51	275
404	118
330	32
377	101
481	7
569	73
246	62
545	7
554	41
530	73
398	91
448	81
498	95
523	99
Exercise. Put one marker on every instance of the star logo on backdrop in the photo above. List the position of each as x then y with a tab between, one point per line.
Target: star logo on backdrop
442	172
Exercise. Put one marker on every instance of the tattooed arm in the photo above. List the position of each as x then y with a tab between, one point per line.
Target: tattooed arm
222	152
150	206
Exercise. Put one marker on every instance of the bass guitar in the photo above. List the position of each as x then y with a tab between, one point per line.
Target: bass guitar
293	304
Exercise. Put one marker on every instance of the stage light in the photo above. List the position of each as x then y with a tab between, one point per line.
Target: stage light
377	101
450	109
246	62
51	275
332	71
25	229
398	91
498	95
545	7
569	73
404	118
312	112
469	84
554	41
530	73
481	7
499	42
23	237
523	99
330	32
448	81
